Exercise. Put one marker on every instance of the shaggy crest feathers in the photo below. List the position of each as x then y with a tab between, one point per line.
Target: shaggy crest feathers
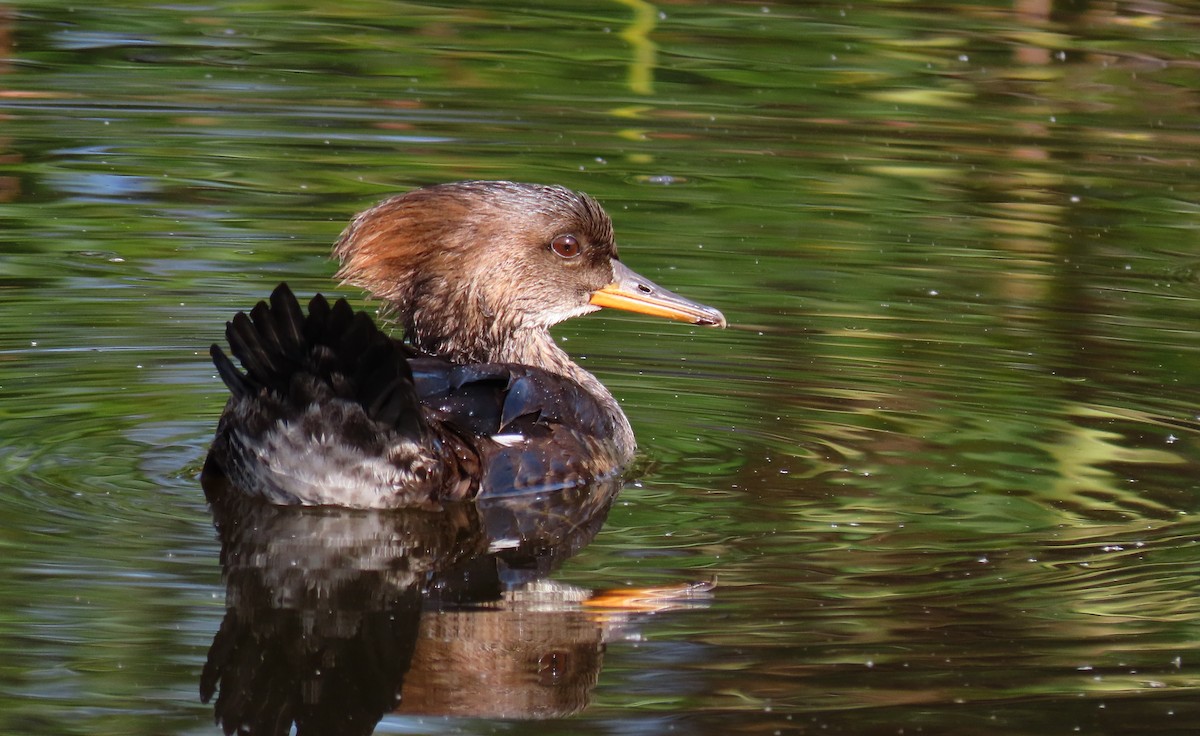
422	252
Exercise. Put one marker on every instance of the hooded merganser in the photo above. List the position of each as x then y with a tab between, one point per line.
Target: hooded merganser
478	399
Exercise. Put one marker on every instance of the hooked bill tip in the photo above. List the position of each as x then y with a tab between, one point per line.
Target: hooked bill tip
716	320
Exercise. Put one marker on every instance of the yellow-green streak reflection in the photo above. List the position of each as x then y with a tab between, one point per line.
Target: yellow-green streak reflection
637	33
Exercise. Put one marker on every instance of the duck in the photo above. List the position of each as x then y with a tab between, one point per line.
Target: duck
475	398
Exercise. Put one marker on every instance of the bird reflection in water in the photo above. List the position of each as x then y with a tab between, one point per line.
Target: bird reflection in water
337	617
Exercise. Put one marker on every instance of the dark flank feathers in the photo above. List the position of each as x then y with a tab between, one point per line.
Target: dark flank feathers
374	392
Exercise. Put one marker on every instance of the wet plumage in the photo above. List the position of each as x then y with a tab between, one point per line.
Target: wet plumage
327	409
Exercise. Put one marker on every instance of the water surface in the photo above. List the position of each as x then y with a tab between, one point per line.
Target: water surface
943	468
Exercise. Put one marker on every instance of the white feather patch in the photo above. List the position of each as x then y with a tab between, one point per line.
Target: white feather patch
508	440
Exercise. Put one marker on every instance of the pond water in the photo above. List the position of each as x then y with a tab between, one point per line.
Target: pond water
941	475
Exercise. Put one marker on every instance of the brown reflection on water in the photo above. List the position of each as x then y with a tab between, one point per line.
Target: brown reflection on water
536	654
10	186
337	617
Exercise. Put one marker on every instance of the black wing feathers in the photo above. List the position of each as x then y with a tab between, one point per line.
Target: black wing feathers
230	375
277	343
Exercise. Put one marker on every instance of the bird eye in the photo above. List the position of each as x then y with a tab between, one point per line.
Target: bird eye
566	246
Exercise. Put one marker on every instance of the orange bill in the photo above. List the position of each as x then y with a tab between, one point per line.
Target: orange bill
634	293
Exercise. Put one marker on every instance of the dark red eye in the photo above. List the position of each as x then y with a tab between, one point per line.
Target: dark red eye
566	246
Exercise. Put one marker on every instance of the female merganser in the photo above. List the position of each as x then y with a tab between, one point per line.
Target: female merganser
478	399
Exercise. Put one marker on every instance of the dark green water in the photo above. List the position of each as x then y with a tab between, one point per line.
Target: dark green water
945	467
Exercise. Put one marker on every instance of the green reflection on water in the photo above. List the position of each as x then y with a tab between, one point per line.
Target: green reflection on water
942	467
